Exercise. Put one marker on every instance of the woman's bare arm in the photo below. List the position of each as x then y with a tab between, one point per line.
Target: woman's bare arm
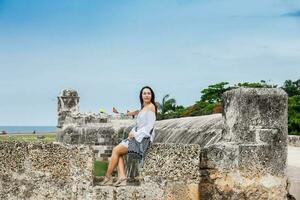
131	113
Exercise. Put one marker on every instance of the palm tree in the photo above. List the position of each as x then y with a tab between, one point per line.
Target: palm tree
166	105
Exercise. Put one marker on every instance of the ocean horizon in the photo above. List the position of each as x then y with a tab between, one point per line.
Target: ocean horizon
28	129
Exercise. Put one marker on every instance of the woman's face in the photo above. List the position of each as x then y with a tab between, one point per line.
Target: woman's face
146	95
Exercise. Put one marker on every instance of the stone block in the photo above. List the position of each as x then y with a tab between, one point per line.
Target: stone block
220	156
172	162
245	108
262	158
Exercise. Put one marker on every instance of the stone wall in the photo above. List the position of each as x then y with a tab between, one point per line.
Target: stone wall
67	103
39	170
250	160
100	130
203	130
171	171
240	154
244	150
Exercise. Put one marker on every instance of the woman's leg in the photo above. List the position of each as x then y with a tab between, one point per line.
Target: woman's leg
121	167
118	151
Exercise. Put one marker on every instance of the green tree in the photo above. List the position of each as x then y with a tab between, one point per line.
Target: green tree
211	102
292	88
178	112
294	115
210	97
167	105
261	84
213	93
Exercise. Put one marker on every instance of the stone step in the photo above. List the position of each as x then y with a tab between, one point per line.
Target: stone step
130	181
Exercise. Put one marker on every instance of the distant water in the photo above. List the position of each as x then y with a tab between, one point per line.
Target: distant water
28	129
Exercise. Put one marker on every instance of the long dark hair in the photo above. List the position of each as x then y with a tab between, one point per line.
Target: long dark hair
152	98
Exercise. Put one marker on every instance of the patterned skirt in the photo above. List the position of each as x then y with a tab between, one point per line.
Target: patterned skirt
136	150
125	142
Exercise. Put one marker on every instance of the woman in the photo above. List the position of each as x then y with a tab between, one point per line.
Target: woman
145	122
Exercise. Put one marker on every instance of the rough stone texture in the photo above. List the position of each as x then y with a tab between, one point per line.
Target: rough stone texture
85	118
240	154
39	170
103	136
202	130
100	130
97	129
294	140
171	171
100	134
172	162
249	162
256	120
256	115
68	102
109	133
235	184
149	191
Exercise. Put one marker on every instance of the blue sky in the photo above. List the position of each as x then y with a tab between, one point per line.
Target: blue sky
108	50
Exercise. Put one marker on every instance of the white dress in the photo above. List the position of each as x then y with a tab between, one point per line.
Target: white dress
145	122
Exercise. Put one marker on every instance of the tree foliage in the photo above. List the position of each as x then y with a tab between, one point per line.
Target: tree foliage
261	84
292	88
213	93
294	115
167	105
211	102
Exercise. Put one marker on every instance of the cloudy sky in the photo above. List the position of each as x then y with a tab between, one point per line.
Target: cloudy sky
108	50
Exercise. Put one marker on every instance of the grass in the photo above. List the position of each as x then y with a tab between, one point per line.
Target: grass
49	137
100	168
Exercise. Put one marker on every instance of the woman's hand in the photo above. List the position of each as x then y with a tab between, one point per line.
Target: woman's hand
115	110
132	113
130	135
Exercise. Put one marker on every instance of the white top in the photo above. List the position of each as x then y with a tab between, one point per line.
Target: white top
145	122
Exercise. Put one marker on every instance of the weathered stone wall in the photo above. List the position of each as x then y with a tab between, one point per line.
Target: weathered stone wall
100	130
240	154
102	136
95	134
39	170
244	150
250	160
68	102
203	130
171	171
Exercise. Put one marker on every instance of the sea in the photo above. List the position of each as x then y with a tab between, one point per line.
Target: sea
27	129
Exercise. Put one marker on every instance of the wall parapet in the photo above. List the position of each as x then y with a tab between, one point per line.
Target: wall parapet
239	155
43	170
